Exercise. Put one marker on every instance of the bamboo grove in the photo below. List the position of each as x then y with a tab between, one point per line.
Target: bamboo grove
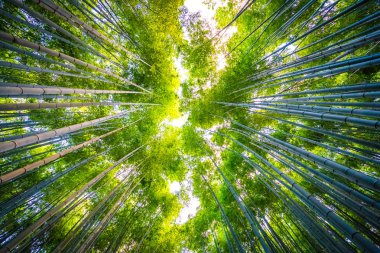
279	140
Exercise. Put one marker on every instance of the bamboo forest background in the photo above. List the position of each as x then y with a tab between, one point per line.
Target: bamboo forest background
266	119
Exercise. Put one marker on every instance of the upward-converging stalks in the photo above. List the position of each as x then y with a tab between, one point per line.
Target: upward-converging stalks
268	143
12	244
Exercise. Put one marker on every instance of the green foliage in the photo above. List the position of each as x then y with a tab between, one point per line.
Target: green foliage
245	153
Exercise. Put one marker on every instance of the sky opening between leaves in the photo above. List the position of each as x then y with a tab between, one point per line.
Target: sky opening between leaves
237	126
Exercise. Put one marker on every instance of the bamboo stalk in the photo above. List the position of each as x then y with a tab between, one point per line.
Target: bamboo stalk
6	146
42	220
15	91
11	38
21	171
35	106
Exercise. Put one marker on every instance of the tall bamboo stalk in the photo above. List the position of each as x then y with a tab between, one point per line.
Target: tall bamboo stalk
29	230
11	38
18	172
7	146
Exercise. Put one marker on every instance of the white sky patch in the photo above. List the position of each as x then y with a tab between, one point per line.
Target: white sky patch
291	47
266	131
227	34
64	143
183	73
186	250
190	205
189	210
175	187
204	10
221	62
179	92
208	85
178	122
186	34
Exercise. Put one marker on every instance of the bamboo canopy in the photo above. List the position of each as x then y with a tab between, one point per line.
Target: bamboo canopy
170	126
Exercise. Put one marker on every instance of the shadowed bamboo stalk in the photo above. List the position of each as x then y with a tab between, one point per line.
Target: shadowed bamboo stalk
93	13
329	69
111	17
313	202
279	33
53	25
246	211
18	172
41	221
48	60
338	150
318	130
34	106
317	27
121	234
107	218
151	224
14	91
16	200
38	28
272	17
369	94
27	68
359	177
6	146
13	137
324	52
351	174
349	111
85	222
72	19
313	228
368	214
11	38
365	87
224	215
350	104
367	19
321	116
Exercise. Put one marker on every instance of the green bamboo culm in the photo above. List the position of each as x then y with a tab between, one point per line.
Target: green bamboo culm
189	126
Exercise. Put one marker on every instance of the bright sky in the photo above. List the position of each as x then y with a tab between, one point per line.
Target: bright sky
206	12
199	6
183	73
189	210
175	187
190	207
178	122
